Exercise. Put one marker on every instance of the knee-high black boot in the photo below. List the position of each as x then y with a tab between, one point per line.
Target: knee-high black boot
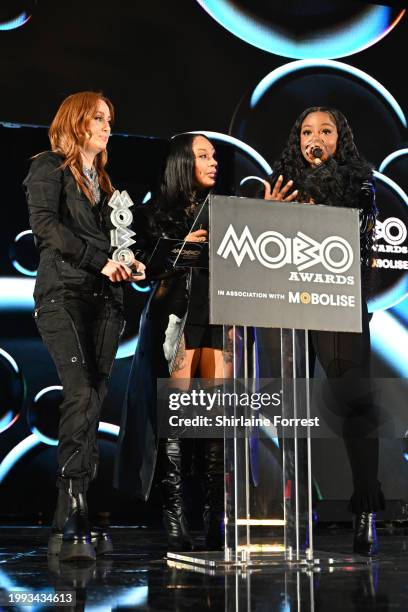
214	494
171	483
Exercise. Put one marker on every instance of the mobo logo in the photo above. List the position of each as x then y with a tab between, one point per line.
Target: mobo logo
392	230
121	236
274	250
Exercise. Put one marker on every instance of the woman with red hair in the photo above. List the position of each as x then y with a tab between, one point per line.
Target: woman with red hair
78	298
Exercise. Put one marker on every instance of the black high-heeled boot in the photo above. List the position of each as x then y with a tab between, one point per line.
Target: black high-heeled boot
214	494
171	480
76	535
365	534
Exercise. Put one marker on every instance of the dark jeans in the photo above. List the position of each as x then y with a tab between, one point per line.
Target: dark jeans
81	331
345	358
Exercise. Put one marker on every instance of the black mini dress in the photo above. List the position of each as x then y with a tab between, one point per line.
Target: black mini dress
198	333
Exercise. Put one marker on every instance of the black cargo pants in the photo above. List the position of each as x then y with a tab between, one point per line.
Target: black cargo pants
81	331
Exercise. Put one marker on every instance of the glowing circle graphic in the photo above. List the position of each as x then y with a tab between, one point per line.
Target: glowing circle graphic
27	444
343	36
23	254
391	158
395	165
43	415
141	288
295	67
15	23
15	14
390	246
240	144
12	390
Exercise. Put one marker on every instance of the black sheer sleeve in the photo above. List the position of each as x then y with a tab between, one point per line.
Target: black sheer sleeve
368	215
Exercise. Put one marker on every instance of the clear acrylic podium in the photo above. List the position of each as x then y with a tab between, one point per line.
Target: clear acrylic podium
268	479
268	486
255	251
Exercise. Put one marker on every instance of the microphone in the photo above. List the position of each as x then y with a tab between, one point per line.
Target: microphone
317	152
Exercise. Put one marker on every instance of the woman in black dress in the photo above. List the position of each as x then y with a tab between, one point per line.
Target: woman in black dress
321	165
175	340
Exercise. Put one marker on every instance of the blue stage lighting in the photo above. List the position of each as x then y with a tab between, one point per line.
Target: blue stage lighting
127	348
392	298
109	428
279	73
16	293
401	311
5	422
394	186
46	390
15	23
251	178
240	144
43	438
10	359
357	34
21	449
389	338
145	289
16	264
391	157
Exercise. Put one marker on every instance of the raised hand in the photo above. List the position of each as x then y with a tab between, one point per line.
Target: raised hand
280	193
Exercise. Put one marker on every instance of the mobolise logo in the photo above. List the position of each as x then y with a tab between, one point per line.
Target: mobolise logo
323	299
334	252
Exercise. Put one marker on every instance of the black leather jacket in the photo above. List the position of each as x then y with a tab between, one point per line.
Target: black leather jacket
73	237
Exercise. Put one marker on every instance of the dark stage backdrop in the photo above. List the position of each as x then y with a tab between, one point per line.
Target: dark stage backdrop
241	70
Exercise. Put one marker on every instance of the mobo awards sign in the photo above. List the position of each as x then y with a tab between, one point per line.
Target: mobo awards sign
279	264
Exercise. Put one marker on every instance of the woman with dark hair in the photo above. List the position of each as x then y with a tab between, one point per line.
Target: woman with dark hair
78	299
321	165
175	340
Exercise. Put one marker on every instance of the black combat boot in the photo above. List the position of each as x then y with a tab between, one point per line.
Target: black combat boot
70	533
100	536
58	522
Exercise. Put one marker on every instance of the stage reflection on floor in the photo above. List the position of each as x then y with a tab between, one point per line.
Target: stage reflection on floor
137	577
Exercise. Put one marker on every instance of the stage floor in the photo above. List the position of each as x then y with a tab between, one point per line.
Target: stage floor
137	577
